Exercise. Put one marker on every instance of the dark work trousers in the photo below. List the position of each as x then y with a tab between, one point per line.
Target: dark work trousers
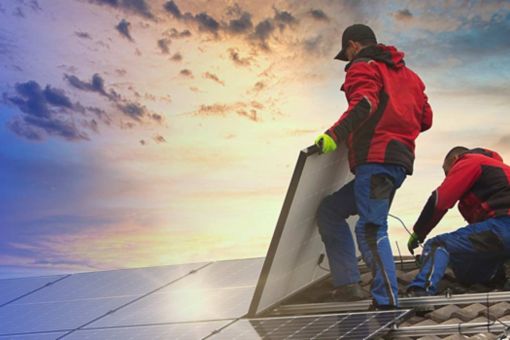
475	253
369	195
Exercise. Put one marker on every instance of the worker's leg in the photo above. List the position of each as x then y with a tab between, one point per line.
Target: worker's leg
375	186
336	235
487	241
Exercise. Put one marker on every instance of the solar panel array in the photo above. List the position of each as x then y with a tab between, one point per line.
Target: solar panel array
89	304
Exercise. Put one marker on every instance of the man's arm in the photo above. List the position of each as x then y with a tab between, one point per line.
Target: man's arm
362	86
426	118
459	180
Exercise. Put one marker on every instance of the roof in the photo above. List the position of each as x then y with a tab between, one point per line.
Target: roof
201	300
452	314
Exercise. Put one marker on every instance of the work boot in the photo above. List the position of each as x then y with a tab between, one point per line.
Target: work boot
415	291
350	292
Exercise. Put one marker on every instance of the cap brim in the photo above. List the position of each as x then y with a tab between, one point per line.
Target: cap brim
341	55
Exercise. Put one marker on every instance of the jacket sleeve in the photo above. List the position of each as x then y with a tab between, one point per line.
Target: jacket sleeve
426	118
362	86
460	179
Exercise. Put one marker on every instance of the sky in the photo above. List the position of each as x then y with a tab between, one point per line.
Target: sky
139	133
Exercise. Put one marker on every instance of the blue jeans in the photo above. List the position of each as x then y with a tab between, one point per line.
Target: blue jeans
369	195
475	253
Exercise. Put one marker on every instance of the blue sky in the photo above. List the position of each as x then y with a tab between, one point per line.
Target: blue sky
138	133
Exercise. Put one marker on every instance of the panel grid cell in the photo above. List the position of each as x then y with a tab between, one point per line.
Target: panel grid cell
14	289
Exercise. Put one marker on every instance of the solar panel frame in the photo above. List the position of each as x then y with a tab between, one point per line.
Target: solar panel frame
323	174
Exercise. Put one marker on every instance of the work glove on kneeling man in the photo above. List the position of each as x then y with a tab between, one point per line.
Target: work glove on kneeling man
325	143
413	243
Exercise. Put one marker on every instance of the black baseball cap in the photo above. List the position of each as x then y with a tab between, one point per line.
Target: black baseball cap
356	32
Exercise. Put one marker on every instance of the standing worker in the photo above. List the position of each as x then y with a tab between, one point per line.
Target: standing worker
387	110
480	181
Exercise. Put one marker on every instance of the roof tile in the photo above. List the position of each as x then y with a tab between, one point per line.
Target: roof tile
470	312
498	310
444	313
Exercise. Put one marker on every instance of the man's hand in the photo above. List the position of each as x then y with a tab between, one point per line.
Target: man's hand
325	143
413	243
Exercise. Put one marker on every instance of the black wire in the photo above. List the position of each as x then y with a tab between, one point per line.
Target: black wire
403	224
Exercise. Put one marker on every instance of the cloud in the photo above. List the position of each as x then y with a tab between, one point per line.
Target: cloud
172	8
207	23
316	46
186	73
264	29
244	109
318	14
83	35
237	59
403	15
175	34
213	77
46	112
163	45
123	28
240	25
258	87
159	139
176	57
95	85
139	7
283	19
133	110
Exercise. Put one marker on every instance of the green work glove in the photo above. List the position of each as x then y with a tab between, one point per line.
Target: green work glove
325	143
413	243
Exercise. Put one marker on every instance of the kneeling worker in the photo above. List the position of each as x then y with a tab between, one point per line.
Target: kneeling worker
480	180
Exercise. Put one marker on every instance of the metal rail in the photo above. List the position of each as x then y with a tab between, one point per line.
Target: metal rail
328	307
461	328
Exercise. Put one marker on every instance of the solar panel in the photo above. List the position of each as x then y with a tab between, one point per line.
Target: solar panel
14	289
182	331
81	298
291	261
328	326
113	283
222	290
54	316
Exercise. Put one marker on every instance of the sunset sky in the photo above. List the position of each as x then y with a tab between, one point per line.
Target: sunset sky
138	133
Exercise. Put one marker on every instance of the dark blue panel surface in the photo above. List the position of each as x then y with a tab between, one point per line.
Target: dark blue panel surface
13	289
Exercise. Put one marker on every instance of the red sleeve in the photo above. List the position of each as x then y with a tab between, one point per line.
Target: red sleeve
495	155
362	86
460	179
426	118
